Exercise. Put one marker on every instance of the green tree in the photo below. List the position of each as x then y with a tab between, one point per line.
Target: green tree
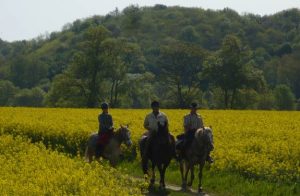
29	97
189	34
7	92
65	92
298	105
246	99
181	65
118	56
26	72
139	90
132	17
229	69
88	66
285	99
266	101
104	61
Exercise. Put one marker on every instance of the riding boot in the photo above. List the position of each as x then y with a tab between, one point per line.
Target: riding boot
188	138
99	150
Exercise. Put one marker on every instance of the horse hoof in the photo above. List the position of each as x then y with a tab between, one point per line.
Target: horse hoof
200	190
183	187
146	176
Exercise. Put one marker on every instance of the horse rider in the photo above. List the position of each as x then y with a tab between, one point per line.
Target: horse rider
151	124
192	122
105	128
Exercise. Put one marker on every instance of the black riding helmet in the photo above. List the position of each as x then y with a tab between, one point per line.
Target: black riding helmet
154	104
194	105
104	105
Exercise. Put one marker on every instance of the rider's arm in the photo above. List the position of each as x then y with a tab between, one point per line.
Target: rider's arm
146	123
111	124
186	124
201	122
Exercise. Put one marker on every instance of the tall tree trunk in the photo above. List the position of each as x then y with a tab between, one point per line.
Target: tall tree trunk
233	98
116	94
92	98
112	93
226	98
179	95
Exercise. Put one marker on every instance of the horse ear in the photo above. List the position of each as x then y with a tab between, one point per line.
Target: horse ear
127	126
210	126
121	126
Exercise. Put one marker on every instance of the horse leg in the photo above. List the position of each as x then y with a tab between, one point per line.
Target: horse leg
182	174
201	165
187	169
192	176
164	174
145	166
152	181
161	173
88	155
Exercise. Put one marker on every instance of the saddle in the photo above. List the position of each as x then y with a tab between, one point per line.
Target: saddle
104	137
185	140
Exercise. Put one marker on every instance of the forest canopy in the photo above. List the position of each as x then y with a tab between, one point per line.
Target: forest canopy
176	55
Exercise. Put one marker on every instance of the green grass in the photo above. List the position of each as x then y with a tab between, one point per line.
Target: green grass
219	182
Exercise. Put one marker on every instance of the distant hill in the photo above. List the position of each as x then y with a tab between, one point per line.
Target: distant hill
273	40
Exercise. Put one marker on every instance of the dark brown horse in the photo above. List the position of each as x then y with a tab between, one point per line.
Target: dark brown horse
112	150
196	154
161	151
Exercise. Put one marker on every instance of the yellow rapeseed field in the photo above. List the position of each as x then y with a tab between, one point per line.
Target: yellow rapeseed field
28	169
258	144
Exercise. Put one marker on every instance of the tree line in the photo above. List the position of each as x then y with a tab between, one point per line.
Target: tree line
177	55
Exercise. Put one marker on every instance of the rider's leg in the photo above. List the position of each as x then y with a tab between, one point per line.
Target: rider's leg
189	136
99	150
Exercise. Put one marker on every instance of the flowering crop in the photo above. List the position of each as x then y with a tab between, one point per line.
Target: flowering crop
258	144
28	169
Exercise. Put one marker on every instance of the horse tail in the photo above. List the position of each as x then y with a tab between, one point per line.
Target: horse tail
142	144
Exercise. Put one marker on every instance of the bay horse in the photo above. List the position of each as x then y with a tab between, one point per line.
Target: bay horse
112	150
161	150
196	154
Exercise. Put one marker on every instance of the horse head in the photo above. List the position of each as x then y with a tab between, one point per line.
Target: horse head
162	128
124	135
208	137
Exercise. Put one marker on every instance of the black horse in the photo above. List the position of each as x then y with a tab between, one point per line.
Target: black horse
160	152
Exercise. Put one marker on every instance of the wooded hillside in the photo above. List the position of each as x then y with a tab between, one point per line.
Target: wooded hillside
173	54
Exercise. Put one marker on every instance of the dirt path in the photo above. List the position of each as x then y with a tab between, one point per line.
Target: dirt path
178	189
171	188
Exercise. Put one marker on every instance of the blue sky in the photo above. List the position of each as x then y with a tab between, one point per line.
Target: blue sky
26	19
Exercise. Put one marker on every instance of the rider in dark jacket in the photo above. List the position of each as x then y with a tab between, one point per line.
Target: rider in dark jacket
105	128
